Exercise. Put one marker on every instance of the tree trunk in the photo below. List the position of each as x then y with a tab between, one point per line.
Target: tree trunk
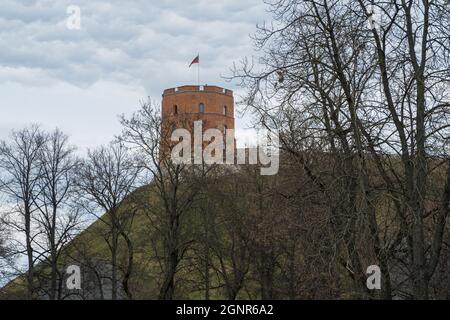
129	268
114	267
167	290
30	259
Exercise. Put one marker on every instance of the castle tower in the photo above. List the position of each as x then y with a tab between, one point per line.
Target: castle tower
183	105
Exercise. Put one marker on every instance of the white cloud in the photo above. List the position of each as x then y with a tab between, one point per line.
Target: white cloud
124	52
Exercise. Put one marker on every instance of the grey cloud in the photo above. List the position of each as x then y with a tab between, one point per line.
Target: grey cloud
79	80
139	41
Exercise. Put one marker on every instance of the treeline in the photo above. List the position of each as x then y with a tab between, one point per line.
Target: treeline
367	82
167	231
48	195
359	94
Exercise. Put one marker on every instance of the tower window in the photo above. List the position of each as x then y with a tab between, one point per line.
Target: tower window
175	109
225	129
202	107
224	110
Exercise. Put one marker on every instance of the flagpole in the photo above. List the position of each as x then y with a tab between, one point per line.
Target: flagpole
198	70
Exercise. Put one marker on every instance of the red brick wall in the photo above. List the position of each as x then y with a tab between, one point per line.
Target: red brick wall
188	98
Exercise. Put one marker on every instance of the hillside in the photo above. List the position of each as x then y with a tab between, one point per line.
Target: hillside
246	235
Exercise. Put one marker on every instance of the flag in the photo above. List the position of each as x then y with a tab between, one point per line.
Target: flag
196	60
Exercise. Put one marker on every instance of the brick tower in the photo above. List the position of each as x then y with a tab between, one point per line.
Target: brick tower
184	105
213	105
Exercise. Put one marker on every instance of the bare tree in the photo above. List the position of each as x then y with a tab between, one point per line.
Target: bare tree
369	84
105	179
417	98
228	228
20	173
57	219
175	188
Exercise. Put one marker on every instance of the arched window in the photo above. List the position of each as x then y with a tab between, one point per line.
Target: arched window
202	107
224	154
224	110
175	109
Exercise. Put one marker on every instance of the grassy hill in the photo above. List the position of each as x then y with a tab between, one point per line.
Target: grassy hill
261	236
90	251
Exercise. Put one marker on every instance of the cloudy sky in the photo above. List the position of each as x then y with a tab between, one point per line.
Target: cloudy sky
80	80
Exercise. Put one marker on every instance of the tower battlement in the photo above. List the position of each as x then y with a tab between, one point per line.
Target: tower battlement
194	88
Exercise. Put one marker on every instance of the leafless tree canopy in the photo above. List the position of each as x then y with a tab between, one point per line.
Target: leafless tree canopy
366	81
359	92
